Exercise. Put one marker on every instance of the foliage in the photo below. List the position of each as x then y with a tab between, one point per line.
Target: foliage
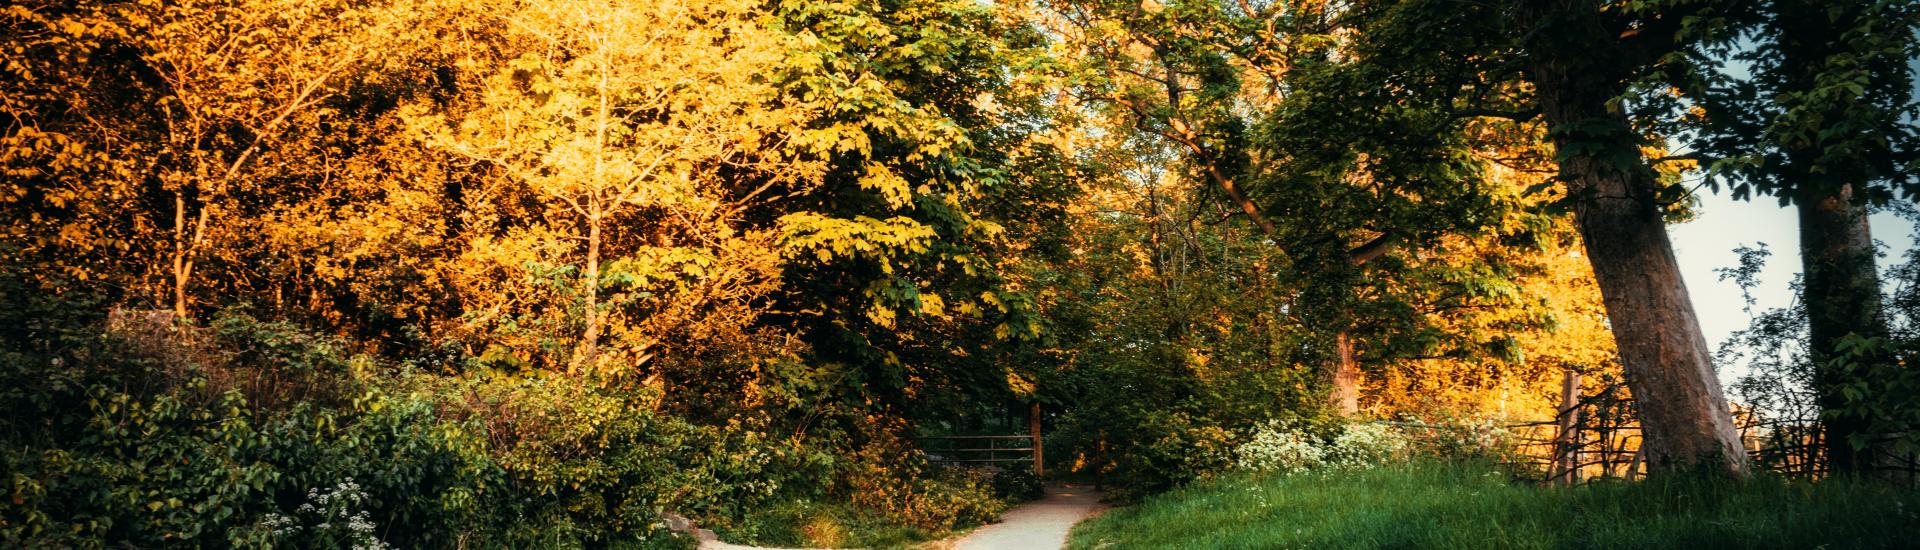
1823	99
330	518
408	460
1017	485
1290	447
1277	447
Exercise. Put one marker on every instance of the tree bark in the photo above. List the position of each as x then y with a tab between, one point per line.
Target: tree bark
181	269
590	340
1344	376
1842	296
186	244
1683	414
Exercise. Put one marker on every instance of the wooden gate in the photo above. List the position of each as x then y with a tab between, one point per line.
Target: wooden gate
989	449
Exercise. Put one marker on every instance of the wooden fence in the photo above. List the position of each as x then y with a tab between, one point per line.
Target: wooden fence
991	450
1596	437
960	450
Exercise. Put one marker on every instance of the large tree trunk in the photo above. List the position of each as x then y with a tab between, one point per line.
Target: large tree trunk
1842	286
1842	296
1343	373
1683	414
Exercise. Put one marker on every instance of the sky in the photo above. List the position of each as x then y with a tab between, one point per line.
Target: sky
1707	242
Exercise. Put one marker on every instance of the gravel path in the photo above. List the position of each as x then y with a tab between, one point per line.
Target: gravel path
1037	525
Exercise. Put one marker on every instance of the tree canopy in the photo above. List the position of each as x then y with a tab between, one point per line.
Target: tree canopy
776	241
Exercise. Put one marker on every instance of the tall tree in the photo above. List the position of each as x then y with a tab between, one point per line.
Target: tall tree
1583	57
1826	122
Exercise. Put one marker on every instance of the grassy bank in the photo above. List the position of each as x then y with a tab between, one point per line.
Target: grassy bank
1429	505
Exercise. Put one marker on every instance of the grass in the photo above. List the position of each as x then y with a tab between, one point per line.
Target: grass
1430	505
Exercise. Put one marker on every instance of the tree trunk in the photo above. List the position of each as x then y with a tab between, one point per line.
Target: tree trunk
185	245
180	265
590	341
1842	296
1343	376
1676	393
1683	414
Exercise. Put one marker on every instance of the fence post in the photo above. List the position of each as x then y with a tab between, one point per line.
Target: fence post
1569	439
1033	426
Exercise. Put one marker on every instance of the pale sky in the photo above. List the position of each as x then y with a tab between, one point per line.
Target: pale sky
1707	243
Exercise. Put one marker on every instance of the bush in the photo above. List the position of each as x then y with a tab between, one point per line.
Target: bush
109	446
1367	444
1477	441
158	471
258	434
1163	450
1017	485
1291	447
1278	447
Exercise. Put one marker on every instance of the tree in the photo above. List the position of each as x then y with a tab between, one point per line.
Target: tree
637	119
192	119
237	77
1825	122
1330	130
1582	57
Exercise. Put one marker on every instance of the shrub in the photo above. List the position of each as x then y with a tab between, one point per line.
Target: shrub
1483	440
1291	447
251	433
108	447
1279	447
1166	449
333	518
1367	444
889	475
1017	484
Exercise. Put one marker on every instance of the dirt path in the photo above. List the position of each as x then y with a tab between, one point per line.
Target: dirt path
1037	525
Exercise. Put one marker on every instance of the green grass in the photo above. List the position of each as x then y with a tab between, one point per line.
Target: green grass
1425	505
